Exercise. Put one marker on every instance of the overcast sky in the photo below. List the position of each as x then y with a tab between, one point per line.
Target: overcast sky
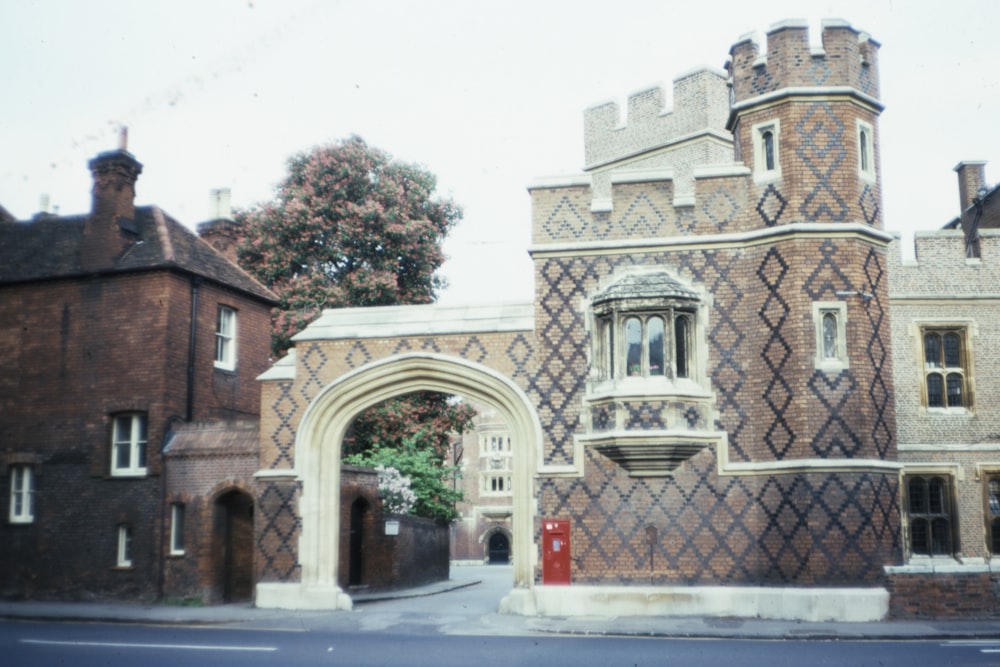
487	95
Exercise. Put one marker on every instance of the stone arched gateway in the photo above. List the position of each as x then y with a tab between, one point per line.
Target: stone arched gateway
302	500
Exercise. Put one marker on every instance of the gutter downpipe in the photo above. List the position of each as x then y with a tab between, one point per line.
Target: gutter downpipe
195	284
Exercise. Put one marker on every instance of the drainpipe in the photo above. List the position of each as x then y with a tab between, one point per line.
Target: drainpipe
195	284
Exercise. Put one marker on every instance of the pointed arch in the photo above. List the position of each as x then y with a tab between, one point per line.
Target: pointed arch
318	451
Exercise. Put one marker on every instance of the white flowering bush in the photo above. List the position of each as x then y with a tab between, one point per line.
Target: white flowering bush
395	490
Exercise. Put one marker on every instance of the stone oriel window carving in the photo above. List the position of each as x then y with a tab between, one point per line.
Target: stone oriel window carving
645	328
647	373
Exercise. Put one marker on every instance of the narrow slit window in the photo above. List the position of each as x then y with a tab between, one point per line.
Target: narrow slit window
767	142
829	336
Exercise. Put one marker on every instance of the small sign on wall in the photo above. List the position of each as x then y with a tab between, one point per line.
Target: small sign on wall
392	527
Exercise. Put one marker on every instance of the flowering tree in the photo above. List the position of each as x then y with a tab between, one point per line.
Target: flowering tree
395	490
349	226
429	418
431	482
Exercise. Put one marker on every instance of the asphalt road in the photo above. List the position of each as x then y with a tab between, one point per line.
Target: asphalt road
25	644
459	628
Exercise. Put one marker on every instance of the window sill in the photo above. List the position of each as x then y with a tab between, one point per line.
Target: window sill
832	366
763	177
942	565
123	568
132	474
645	387
21	522
226	368
953	412
177	554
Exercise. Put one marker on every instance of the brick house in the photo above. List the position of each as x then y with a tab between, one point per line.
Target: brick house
120	330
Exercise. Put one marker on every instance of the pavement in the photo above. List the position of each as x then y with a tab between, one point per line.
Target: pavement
245	615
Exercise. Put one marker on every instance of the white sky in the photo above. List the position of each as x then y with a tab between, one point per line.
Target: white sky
486	95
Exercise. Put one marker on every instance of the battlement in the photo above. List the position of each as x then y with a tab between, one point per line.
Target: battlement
941	267
700	104
847	58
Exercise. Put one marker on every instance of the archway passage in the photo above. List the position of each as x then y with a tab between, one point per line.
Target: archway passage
234	541
499	549
359	508
318	462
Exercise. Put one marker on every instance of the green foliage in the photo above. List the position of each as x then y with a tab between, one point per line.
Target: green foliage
433	483
349	226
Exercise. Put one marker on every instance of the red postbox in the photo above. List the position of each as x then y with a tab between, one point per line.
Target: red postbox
555	552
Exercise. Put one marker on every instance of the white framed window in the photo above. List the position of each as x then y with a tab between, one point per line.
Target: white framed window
866	151
22	494
830	321
128	445
946	373
766	143
177	529
225	338
124	558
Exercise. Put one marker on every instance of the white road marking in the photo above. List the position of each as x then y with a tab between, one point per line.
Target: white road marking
185	647
974	643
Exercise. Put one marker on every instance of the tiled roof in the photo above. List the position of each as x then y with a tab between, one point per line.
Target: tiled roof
48	247
206	438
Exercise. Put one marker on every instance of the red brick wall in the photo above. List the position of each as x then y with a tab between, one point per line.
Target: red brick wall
417	555
944	595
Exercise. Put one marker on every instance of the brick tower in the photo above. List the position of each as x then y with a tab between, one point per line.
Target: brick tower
714	379
805	123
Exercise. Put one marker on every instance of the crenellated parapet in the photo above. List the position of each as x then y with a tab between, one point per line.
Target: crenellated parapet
847	58
700	105
940	267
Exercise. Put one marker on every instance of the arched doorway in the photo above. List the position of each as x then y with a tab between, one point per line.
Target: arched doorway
234	546
318	452
498	549
359	508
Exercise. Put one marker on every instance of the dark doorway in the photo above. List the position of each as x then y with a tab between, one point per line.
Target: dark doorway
234	540
499	549
355	568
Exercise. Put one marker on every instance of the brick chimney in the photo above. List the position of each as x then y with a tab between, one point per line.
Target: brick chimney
971	177
109	229
220	231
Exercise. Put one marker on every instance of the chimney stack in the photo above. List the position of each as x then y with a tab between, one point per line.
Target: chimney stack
115	174
220	231
971	177
112	208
